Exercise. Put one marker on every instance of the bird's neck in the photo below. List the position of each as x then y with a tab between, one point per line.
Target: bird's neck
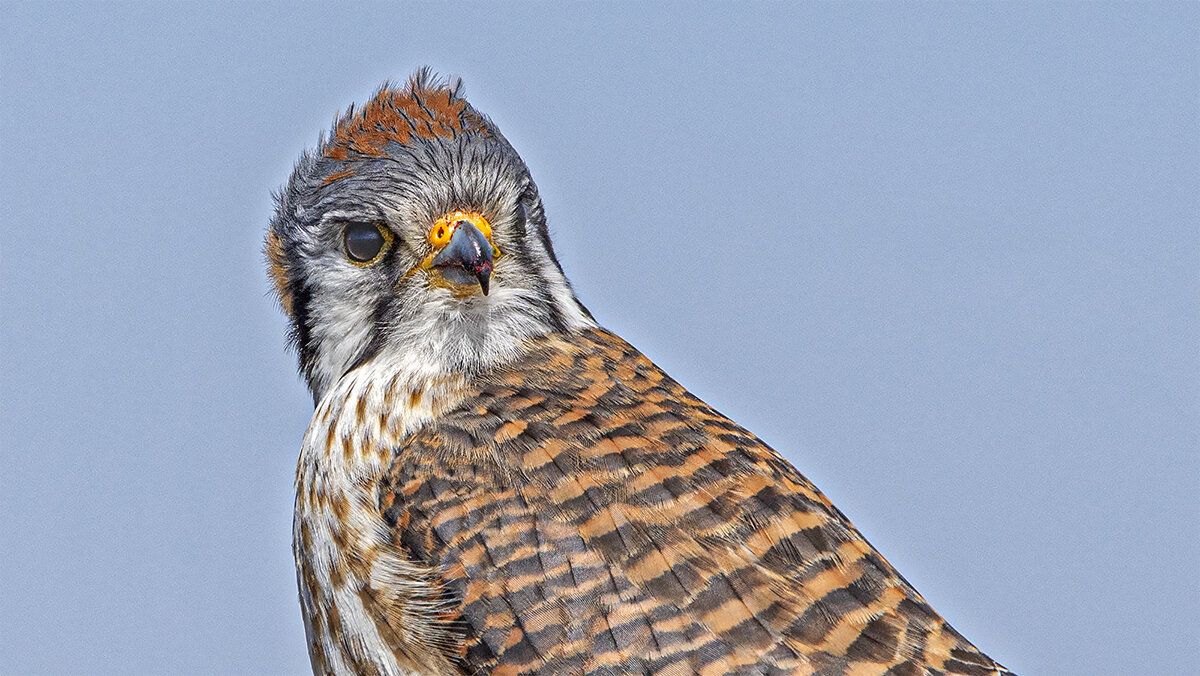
451	337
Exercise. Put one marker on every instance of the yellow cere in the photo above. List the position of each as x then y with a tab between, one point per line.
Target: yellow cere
443	229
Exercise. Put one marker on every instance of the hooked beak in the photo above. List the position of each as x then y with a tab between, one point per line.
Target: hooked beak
468	256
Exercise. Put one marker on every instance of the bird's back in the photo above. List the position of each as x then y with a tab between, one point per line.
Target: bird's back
583	513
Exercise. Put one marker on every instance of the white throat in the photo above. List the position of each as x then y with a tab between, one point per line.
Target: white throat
446	336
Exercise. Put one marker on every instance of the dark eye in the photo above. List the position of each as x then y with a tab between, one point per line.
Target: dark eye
521	219
364	241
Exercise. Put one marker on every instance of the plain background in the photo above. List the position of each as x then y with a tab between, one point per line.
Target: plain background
945	257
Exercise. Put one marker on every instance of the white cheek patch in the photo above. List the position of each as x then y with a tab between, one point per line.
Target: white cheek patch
560	290
343	318
343	332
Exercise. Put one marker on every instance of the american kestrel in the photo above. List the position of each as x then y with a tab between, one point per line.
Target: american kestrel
494	483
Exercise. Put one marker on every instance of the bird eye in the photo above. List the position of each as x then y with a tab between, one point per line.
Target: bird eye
364	242
521	220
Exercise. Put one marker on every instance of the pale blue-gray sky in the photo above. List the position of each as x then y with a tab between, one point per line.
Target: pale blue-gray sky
945	257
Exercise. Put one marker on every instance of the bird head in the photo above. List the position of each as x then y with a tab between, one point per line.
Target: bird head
414	234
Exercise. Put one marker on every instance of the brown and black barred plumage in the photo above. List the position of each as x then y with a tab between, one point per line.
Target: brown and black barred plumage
494	484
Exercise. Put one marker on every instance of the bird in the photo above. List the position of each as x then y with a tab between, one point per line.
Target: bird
493	483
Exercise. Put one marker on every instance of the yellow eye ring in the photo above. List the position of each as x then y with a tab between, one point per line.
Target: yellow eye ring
366	243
